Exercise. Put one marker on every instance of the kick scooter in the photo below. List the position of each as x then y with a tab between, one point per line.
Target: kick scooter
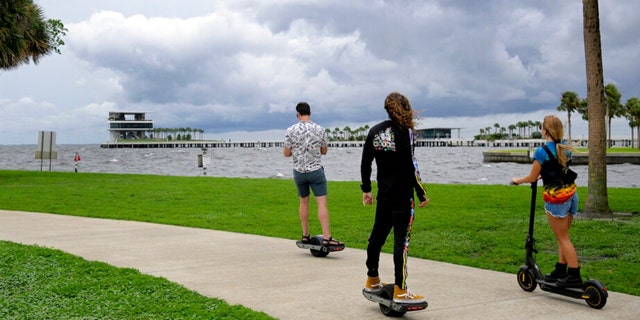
530	276
316	247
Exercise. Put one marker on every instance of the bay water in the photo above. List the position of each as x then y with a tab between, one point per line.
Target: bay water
449	165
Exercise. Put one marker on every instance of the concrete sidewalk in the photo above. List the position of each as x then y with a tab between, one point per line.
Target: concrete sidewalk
274	276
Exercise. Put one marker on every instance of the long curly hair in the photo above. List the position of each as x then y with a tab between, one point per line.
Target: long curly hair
554	130
399	110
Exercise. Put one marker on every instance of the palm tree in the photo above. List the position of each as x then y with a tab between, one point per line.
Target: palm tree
512	127
25	35
497	126
360	133
346	133
597	202
569	103
487	131
614	108
525	125
633	114
583	110
531	124
366	131
521	125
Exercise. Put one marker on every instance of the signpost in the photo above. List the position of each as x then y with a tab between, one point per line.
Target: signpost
204	161
46	147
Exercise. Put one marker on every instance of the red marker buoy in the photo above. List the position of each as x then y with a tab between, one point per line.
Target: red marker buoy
76	161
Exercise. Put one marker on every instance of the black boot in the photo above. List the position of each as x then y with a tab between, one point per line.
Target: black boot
559	272
571	280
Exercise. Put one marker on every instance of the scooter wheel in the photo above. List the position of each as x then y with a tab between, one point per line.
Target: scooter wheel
527	279
316	240
387	293
597	294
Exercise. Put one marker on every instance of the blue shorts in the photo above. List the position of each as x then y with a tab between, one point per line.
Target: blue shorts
314	180
561	210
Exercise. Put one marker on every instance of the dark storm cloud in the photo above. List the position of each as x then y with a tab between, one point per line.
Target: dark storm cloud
242	65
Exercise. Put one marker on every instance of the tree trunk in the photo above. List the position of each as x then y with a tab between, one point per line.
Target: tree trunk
597	203
569	125
608	127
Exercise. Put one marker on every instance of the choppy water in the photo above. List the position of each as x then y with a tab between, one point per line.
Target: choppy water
453	165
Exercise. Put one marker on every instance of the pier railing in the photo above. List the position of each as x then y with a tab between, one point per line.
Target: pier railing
514	143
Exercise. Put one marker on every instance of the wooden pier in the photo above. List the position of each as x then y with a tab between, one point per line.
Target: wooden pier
190	144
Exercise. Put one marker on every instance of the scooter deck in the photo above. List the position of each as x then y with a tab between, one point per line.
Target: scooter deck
319	247
576	292
399	307
555	285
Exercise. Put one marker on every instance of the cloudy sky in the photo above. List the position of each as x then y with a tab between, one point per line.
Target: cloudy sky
236	68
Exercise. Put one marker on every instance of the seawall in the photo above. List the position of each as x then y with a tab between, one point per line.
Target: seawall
579	158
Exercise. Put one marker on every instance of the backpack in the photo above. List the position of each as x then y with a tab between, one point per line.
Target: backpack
557	174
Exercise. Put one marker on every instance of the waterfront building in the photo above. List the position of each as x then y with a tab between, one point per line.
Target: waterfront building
128	125
437	133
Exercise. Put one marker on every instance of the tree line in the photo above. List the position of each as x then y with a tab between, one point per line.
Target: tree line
525	131
169	134
571	102
348	134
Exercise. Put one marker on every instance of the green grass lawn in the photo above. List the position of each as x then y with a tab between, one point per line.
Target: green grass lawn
41	283
481	226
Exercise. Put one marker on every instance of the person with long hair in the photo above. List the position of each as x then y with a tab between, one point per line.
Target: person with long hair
560	199
390	143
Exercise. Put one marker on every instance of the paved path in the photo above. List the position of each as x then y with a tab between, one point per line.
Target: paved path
274	276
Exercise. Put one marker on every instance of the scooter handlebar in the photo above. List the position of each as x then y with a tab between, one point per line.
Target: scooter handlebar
535	183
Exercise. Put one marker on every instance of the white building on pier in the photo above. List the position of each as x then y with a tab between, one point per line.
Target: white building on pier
128	125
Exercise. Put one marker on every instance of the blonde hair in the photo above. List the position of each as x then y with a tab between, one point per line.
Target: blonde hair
399	110
554	129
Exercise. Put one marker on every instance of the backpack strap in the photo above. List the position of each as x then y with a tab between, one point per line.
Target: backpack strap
551	156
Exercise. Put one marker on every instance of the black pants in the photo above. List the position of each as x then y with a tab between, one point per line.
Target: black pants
396	215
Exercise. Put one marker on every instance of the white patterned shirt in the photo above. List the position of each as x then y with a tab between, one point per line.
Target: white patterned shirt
305	139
